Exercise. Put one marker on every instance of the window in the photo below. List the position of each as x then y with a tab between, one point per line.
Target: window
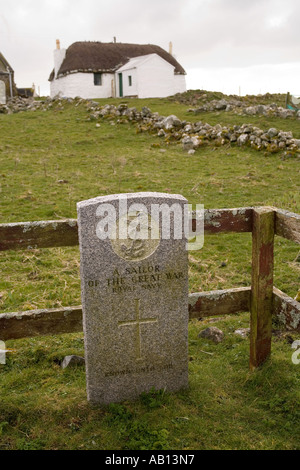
98	79
129	80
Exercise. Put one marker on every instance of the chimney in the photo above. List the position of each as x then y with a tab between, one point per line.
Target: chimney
170	48
59	56
115	39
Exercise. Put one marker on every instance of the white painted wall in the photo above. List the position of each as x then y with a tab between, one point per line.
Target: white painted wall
155	78
82	84
128	90
152	77
179	84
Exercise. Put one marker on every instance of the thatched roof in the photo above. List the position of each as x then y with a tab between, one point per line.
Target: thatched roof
108	57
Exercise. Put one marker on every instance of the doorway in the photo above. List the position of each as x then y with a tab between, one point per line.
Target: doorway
120	85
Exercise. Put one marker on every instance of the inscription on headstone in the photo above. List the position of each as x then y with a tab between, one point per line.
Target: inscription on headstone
2	92
134	294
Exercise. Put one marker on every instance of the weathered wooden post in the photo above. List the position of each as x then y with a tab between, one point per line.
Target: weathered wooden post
261	304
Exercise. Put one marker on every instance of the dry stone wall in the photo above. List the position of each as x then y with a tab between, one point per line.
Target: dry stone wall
238	107
190	135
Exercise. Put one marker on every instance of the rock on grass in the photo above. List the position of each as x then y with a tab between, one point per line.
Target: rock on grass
213	333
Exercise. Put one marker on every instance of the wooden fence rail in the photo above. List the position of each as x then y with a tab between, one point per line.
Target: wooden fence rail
262	299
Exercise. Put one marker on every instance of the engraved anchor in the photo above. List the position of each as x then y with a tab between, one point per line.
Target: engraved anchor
137	323
138	245
135	249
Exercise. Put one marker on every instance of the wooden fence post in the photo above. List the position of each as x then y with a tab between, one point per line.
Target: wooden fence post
261	304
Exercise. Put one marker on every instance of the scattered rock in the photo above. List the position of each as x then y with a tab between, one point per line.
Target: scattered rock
221	104
71	361
272	132
187	143
243	332
243	139
236	106
172	129
170	122
63	181
213	333
188	128
146	112
19	104
193	135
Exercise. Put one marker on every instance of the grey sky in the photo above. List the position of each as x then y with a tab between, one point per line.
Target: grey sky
222	44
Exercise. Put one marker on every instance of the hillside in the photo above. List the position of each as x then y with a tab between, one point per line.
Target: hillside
56	153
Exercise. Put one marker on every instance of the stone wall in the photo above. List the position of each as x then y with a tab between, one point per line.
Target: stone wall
192	135
238	107
170	129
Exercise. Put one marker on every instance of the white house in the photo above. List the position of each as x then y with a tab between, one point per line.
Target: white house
103	70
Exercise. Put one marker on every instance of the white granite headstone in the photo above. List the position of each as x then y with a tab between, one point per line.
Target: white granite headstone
134	294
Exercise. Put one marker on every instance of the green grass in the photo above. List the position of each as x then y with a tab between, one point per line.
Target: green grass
49	161
225	407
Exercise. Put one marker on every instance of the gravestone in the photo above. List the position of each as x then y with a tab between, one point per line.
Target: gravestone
2	92
134	283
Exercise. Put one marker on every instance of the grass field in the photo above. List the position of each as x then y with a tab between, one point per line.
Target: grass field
51	159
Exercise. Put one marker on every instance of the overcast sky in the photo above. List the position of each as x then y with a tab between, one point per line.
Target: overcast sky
234	46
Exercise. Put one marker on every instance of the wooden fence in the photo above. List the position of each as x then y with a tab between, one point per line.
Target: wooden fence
262	299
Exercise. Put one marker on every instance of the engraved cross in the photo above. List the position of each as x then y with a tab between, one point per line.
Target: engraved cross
137	323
